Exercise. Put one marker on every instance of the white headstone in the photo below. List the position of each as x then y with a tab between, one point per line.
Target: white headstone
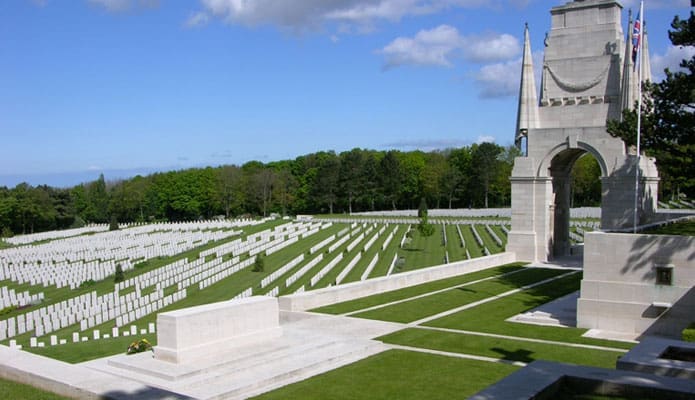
75	337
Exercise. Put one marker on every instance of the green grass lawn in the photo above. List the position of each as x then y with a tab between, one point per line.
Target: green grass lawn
423	251
416	309
506	349
387	297
490	317
13	390
686	228
401	375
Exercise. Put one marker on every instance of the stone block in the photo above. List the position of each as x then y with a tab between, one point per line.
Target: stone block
195	333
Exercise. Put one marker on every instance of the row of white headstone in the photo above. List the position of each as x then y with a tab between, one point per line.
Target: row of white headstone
51	235
77	338
112	306
8	297
41	266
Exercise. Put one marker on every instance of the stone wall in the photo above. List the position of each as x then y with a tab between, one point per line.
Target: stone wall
351	291
620	292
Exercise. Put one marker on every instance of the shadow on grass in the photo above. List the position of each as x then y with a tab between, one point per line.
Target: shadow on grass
518	355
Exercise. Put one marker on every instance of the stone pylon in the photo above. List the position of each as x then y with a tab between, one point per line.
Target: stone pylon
586	81
527	116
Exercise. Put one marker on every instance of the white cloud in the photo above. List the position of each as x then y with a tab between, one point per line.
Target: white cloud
491	47
438	46
651	4
124	5
485	139
425	144
197	19
499	79
502	79
671	60
310	14
428	47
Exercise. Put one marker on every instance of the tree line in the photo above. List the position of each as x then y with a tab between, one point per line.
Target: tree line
325	182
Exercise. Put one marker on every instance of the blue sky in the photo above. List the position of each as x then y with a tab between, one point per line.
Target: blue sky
136	86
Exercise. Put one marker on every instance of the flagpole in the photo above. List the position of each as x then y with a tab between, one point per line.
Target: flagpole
638	59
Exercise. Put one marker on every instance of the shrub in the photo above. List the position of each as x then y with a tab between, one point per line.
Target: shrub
6	232
87	283
259	264
139	346
113	225
689	333
7	310
119	276
78	222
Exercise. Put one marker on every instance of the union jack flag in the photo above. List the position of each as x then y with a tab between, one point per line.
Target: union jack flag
636	36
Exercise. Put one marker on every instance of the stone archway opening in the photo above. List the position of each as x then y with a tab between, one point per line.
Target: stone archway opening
576	182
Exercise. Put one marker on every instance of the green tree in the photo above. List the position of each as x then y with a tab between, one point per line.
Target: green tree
113	224
351	175
586	182
485	166
390	177
119	276
229	188
424	227
259	264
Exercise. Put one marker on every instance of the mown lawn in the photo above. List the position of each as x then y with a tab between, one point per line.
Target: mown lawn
395	295
506	349
398	374
13	390
416	309
490	317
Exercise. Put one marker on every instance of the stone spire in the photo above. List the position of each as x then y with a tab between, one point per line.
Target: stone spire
645	64
527	116
628	87
630	82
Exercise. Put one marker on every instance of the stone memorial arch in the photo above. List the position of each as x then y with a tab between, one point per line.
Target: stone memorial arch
588	77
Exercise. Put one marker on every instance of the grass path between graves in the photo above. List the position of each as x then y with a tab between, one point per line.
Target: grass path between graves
398	374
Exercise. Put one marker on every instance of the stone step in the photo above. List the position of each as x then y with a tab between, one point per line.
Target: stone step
260	359
260	378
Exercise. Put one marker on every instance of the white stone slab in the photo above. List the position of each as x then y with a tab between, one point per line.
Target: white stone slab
198	332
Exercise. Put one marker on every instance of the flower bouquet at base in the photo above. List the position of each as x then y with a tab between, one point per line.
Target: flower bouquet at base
139	346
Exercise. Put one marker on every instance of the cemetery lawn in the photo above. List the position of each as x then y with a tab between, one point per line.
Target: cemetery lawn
505	349
686	228
90	350
398	374
14	390
490	317
400	294
416	309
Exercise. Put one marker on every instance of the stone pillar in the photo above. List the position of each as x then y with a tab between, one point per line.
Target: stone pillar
532	204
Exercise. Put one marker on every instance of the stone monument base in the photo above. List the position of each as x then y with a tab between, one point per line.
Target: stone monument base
195	333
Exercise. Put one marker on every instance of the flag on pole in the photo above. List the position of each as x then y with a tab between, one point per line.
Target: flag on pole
636	36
